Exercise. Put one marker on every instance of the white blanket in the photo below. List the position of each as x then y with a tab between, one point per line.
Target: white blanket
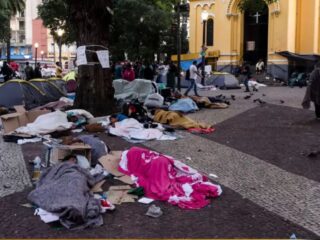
47	123
131	129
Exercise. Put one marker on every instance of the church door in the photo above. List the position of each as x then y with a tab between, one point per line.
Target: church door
256	36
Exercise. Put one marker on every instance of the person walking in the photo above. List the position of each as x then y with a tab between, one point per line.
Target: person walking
247	76
314	89
193	79
28	71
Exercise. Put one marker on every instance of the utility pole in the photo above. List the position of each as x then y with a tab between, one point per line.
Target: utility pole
179	45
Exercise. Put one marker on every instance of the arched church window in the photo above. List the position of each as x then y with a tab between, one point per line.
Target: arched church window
210	32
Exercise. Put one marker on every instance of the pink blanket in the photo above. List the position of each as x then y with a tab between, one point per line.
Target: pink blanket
166	179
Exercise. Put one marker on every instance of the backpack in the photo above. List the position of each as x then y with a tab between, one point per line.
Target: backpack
134	109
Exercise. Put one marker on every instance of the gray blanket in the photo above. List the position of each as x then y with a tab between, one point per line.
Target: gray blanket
64	189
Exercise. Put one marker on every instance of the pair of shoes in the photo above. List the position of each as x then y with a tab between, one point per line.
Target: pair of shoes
246	91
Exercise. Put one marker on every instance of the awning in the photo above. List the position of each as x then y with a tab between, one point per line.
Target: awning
299	57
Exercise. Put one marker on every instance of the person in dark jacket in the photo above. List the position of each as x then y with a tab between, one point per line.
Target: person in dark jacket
37	71
171	76
315	89
247	76
28	71
6	71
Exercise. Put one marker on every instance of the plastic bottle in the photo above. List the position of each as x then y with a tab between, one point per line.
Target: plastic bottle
36	169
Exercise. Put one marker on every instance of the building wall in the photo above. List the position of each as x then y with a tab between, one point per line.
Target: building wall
40	36
293	26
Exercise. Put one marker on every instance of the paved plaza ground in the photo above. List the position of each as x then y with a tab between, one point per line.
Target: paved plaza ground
258	153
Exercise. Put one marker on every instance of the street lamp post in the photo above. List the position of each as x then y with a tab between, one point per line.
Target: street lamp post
60	32
204	17
42	53
36	45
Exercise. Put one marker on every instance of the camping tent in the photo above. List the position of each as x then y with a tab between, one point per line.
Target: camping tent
137	89
51	90
60	83
223	80
20	92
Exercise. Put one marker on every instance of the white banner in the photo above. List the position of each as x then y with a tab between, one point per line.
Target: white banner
81	56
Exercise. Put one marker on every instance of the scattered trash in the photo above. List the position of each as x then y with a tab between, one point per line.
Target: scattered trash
154	211
27	205
213	175
145	200
247	97
259	101
293	236
313	154
282	102
263	95
188	158
37	169
6	185
233	97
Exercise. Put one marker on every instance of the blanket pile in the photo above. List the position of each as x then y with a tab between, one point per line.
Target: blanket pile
166	179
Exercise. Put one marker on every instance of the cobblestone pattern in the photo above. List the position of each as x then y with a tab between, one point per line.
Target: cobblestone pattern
14	176
290	196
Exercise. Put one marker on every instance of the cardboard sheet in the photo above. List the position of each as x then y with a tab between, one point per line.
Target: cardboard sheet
110	163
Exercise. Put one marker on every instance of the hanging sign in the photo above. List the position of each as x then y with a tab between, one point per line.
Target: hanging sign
81	56
103	57
251	45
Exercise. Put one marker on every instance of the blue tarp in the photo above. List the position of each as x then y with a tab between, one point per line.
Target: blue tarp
185	65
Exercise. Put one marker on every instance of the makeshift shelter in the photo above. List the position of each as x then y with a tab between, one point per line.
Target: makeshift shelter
20	92
223	80
51	90
137	89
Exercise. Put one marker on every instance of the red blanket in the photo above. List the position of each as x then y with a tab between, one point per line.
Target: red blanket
166	179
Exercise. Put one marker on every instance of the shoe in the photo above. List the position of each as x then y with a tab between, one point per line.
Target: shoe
246	91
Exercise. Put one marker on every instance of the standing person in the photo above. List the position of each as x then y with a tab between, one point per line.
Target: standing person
118	70
193	78
58	70
45	72
148	71
6	71
128	73
171	76
37	71
259	66
315	89
28	71
247	76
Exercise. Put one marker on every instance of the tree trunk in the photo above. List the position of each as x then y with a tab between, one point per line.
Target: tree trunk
91	20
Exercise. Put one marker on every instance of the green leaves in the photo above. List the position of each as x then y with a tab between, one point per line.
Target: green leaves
253	6
8	8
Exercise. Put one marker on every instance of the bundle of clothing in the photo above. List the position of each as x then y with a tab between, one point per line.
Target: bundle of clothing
132	130
64	190
166	179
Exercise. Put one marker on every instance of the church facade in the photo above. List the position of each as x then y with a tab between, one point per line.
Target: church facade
232	36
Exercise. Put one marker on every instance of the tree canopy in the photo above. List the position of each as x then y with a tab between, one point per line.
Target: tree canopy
8	8
140	28
253	5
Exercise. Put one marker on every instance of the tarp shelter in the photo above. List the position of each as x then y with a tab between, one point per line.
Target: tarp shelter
137	89
223	80
185	65
20	92
51	90
300	62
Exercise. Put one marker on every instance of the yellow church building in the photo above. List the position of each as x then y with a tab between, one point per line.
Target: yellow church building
285	30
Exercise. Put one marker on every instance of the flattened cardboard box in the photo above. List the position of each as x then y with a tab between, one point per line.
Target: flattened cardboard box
60	152
12	121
